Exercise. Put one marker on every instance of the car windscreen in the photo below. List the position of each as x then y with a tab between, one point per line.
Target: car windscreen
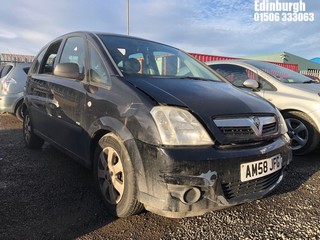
281	74
146	58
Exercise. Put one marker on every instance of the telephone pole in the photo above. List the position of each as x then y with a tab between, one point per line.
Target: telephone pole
127	17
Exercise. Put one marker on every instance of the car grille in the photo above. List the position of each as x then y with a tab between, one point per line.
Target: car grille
242	189
236	131
269	128
247	128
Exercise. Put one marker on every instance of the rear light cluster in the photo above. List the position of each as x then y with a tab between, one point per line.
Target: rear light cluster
6	84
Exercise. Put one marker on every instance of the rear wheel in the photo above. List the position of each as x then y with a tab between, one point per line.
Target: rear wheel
115	177
19	112
31	140
304	136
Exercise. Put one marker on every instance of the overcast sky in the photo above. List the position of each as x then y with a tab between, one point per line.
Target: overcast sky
218	27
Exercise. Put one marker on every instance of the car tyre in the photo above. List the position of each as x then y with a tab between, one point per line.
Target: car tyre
19	112
304	136
31	140
115	177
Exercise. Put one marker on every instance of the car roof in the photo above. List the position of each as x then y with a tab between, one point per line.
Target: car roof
27	64
97	33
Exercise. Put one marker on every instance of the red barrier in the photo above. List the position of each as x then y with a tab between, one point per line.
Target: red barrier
208	58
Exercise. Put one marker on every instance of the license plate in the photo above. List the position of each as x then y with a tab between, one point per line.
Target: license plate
257	169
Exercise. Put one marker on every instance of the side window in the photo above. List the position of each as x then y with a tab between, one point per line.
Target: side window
97	70
234	74
37	61
265	85
74	52
49	57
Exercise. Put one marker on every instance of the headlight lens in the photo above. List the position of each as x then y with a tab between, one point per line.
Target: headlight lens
179	127
283	125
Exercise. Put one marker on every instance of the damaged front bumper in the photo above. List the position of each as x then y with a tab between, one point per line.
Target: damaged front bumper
183	182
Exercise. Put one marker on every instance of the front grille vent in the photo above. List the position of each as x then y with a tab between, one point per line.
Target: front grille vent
236	131
242	189
247	127
269	128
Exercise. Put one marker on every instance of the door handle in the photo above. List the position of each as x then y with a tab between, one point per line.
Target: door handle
90	88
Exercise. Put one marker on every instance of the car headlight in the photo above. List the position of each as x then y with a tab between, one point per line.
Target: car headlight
282	123
179	127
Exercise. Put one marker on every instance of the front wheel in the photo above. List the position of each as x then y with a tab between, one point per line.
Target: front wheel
31	140
115	177
304	136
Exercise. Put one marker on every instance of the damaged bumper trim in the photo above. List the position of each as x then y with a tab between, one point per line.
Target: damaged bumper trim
182	182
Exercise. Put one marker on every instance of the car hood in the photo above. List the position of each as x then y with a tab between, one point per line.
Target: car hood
205	98
309	87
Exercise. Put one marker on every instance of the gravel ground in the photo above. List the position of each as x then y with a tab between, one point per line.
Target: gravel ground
46	195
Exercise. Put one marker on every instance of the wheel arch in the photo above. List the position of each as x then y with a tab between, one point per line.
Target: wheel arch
284	111
24	107
310	139
20	101
107	125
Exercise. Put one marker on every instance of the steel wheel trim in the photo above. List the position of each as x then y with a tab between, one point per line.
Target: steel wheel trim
27	129
298	132
111	175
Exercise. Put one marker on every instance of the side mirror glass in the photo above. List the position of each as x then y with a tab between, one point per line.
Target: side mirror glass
67	70
250	83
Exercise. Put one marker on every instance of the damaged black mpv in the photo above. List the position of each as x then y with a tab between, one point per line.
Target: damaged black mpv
160	130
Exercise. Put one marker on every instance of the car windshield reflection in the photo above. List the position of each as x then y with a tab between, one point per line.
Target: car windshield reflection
144	58
281	74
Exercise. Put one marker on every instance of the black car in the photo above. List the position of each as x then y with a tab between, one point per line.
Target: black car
159	129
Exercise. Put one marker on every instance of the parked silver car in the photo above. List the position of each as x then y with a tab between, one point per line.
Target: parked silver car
295	95
12	81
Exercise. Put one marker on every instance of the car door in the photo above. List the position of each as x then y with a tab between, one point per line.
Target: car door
67	98
37	88
99	89
269	91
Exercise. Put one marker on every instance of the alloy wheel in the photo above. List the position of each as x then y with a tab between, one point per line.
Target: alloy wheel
298	132
111	175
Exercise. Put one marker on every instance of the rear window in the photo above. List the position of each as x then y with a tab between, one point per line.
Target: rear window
1	68
6	70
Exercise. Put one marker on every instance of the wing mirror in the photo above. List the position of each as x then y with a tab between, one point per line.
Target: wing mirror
68	70
250	83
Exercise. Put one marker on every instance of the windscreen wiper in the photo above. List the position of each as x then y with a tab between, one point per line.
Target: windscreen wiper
194	78
311	81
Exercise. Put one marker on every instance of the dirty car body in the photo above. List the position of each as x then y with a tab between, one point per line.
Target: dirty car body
159	129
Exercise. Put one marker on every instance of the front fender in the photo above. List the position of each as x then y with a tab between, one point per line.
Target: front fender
108	124
111	125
